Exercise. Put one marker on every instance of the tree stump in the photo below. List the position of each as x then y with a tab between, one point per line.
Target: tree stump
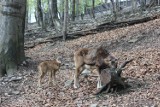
112	80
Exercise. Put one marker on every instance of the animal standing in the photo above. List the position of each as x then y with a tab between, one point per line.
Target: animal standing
98	57
50	66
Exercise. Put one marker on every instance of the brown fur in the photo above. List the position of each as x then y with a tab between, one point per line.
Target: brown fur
51	66
99	57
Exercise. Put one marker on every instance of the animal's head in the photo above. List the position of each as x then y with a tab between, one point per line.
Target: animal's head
111	61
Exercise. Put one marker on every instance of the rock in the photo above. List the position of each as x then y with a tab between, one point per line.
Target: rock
6	94
86	72
16	92
68	83
133	40
61	94
93	105
1	79
47	105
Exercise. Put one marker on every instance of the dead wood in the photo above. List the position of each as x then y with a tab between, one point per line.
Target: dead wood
35	43
112	25
99	28
112	80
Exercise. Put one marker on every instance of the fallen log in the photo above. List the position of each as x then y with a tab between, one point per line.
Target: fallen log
112	80
112	25
105	26
35	43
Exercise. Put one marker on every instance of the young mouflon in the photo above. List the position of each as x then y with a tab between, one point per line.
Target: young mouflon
50	66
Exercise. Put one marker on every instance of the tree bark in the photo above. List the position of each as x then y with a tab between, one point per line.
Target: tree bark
77	9
112	80
133	5
65	20
40	14
12	19
73	9
26	19
93	4
54	14
114	10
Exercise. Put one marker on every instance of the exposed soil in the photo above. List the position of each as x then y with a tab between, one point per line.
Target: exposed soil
140	41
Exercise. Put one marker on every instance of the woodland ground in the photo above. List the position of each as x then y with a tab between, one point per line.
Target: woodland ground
140	41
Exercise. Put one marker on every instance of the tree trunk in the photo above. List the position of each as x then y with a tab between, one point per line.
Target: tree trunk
85	7
26	19
50	14
93	4
54	14
61	4
77	9
73	9
40	14
12	19
117	6
114	10
143	4
65	20
112	80
133	5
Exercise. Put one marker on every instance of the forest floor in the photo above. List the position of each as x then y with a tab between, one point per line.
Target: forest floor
140	41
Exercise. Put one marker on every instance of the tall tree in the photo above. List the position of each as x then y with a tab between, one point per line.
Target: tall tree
54	14
93	4
65	20
53	9
77	8
26	19
143	4
133	5
12	19
114	10
40	14
73	9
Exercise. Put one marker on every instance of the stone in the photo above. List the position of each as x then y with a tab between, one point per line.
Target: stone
93	105
68	83
16	92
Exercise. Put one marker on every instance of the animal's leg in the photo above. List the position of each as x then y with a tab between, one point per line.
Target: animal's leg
76	76
54	77
99	83
50	78
78	65
41	75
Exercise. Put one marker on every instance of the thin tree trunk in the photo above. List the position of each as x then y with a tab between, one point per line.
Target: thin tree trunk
133	5
26	19
77	9
12	19
73	9
93	4
65	20
62	12
54	14
50	14
85	6
40	14
114	10
117	6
